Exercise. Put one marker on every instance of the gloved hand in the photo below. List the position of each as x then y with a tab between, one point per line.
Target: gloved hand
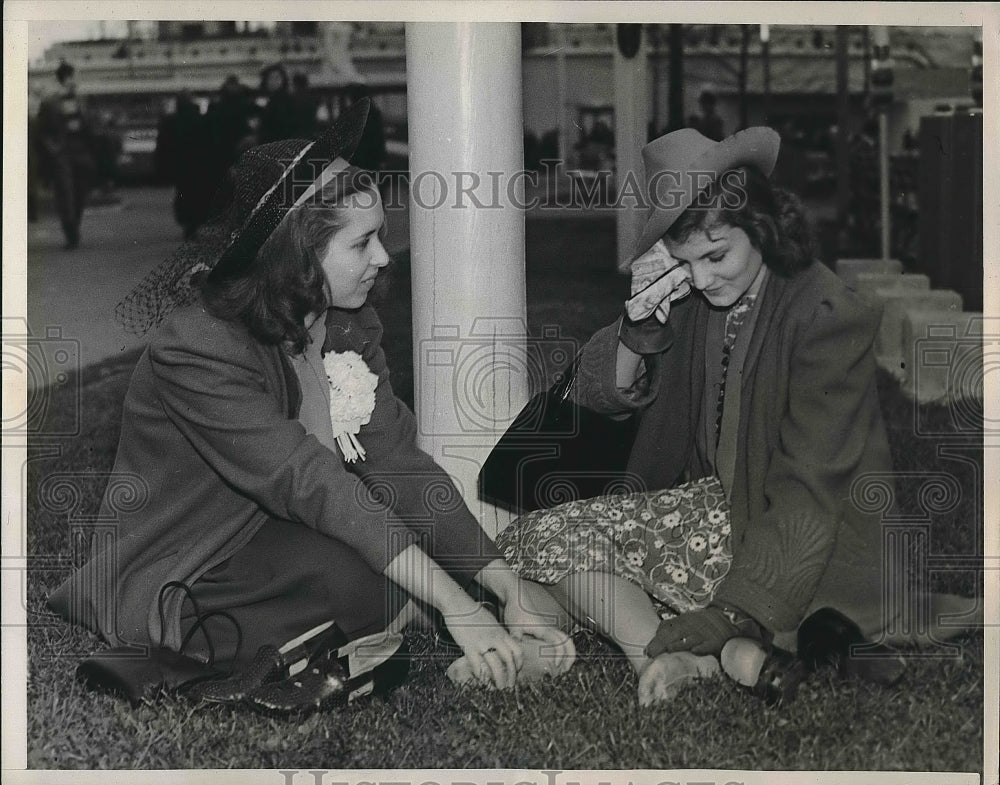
703	631
657	280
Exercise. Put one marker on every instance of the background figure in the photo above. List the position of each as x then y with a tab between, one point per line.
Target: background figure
165	155
107	146
66	140
183	160
303	107
370	153
708	123
278	119
227	128
864	217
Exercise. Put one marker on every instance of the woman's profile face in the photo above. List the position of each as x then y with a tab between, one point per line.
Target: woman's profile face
355	253
722	261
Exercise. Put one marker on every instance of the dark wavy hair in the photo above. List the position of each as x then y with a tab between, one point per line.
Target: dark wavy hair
285	283
774	219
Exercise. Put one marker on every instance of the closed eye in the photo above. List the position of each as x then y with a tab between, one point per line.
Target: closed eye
365	240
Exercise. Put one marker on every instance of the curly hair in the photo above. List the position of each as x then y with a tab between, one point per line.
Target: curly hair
774	219
273	296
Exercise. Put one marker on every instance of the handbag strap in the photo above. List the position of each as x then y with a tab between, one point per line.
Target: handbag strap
199	623
563	387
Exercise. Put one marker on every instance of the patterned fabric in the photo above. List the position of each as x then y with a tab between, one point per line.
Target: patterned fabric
735	316
672	543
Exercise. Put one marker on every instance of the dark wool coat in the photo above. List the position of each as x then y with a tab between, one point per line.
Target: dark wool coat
809	426
210	435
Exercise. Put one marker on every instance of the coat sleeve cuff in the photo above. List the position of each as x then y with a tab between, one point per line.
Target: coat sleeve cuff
596	384
759	603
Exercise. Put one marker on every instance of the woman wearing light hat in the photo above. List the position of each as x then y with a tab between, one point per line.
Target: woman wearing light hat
275	477
750	367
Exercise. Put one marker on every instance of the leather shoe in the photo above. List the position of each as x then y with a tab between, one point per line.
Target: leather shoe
826	639
772	676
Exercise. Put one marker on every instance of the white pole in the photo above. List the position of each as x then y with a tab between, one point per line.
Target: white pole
469	315
631	118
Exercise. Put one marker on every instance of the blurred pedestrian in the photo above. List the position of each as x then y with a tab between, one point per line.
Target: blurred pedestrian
864	219
278	118
227	126
107	146
66	143
708	123
165	155
304	107
183	160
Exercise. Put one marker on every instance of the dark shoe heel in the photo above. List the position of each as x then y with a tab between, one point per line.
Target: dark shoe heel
780	678
826	639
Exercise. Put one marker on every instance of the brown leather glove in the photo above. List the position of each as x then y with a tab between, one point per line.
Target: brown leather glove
703	631
657	280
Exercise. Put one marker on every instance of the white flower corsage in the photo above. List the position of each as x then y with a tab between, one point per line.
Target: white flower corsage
352	399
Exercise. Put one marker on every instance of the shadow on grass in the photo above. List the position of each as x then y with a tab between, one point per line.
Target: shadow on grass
588	718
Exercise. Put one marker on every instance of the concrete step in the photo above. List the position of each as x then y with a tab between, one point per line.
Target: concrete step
896	302
868	282
944	355
849	269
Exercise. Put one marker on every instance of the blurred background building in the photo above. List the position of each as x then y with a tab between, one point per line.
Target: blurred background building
132	78
718	78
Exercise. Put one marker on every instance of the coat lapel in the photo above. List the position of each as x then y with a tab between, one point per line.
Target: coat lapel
291	391
770	298
700	333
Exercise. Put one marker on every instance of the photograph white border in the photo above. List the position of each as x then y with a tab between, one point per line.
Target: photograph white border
18	17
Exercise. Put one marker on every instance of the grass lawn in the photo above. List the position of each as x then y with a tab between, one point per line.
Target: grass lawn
588	718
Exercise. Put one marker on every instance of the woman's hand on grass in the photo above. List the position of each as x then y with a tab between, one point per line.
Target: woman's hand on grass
493	654
534	612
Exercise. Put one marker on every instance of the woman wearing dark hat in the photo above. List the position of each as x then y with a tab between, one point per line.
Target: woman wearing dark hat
280	502
750	367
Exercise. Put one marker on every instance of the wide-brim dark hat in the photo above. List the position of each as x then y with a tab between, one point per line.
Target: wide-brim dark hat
680	164
257	193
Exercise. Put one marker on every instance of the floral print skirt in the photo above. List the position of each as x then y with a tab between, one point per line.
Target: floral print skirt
672	543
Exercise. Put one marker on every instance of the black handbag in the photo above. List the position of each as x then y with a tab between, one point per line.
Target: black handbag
557	451
144	672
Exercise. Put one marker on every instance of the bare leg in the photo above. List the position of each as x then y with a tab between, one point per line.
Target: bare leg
616	607
623	612
545	600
